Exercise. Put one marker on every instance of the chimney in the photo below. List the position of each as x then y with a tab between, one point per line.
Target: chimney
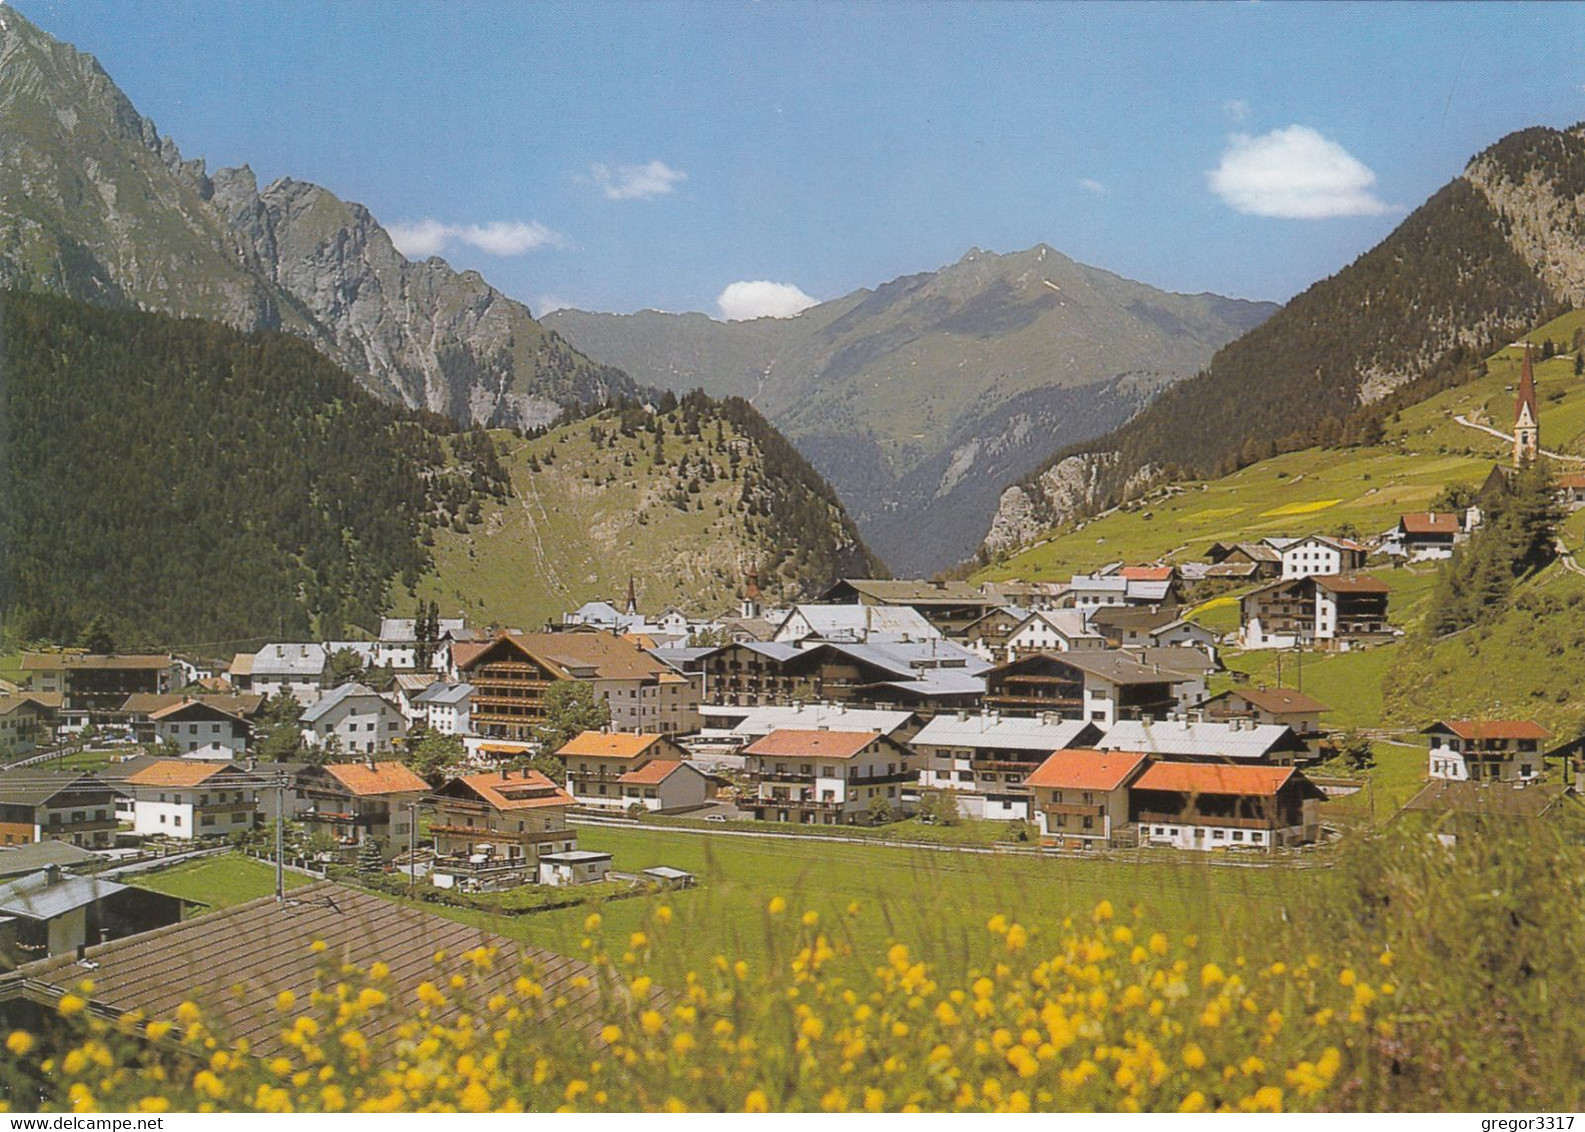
52	874
369	761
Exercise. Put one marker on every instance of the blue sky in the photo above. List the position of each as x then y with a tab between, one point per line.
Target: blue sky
615	156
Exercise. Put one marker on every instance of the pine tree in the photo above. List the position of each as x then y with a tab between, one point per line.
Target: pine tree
371	861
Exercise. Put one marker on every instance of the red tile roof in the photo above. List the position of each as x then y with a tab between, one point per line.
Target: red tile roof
651	773
365	781
1492	728
1208	778
1351	583
1571	480
1430	523
520	790
1147	573
812	744
1280	701
1072	769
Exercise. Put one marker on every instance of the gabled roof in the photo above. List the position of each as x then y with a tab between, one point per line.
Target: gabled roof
36	855
790	743
652	773
366	781
903	591
19	700
860	622
1571	480
609	745
338	696
1002	732
1490	799
756	721
1119	668
1490	729
1200	738
1350	583
1148	573
1173	658
441	692
188	709
244	704
30	786
1211	778
1086	770
58	661
43	896
177	772
1277	701
234	962
514	790
291	659
1430	523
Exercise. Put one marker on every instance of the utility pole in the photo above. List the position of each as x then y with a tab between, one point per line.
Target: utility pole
280	840
412	844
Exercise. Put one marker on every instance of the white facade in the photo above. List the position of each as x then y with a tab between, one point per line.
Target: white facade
581	866
1460	760
192	735
1207	835
1058	630
191	812
300	669
829	790
364	721
682	787
447	708
1312	556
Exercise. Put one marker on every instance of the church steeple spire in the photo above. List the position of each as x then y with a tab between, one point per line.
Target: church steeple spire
1526	416
632	598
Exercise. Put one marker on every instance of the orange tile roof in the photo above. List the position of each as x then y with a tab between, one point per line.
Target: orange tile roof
609	745
1430	523
1493	728
523	790
812	744
1071	769
464	652
1208	778
382	778
1571	480
176	772
651	773
1147	573
611	657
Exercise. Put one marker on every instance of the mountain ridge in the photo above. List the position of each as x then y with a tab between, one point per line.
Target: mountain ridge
1498	248
95	204
919	399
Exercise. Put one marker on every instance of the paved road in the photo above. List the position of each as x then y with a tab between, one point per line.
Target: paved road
1508	436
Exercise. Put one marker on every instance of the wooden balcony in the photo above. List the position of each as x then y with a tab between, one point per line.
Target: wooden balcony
478	833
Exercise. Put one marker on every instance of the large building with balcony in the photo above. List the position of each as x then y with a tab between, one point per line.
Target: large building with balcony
1080	797
1486	750
828	777
355	802
599	764
1205	806
1328	611
984	757
501	819
56	805
97	685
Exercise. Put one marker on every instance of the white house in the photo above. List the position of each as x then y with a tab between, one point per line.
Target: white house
860	623
599	764
189	799
1053	630
1316	555
192	724
1486	750
301	669
447	708
665	785
1081	797
363	720
580	866
827	777
984	757
397	646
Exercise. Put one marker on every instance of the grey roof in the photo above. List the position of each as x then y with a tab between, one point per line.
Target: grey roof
39	897
1067	622
860	622
938	683
33	786
35	855
1173	658
1119	668
290	660
338	696
679	656
443	693
1002	732
666	872
759	721
1199	739
404	630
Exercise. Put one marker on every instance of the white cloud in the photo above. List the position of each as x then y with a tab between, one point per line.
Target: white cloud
419	239
1091	185
636	182
1237	109
1296	174
550	303
761	299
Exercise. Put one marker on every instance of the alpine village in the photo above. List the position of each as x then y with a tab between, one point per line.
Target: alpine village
404	709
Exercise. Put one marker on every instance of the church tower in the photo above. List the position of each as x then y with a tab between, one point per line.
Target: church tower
1526	417
750	606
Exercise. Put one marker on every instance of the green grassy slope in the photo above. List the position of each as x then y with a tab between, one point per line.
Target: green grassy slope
584	515
1526	663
